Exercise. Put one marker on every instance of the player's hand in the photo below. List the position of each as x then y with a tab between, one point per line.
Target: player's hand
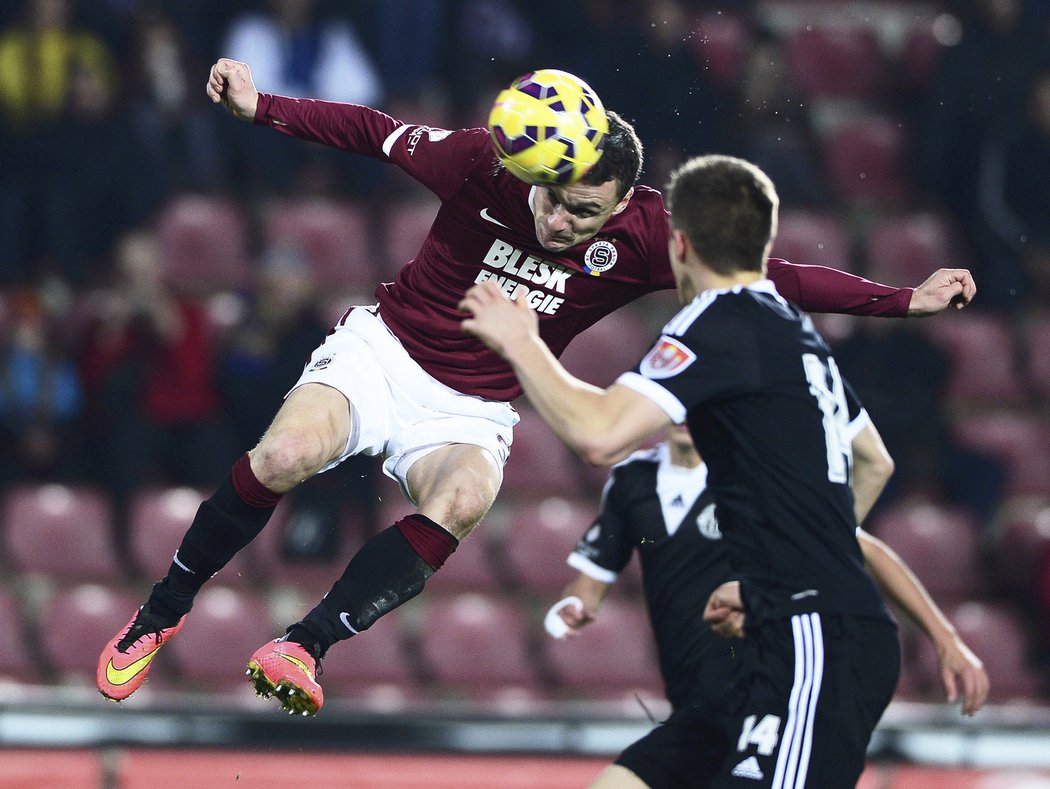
566	617
497	321
230	84
962	668
945	287
724	611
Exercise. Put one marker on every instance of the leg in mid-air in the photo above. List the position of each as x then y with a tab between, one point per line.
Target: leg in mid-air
453	486
311	430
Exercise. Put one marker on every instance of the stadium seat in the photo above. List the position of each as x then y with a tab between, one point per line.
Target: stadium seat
540	464
333	236
613	345
204	243
908	248
721	42
540	535
406	226
612	657
17	661
76	623
62	531
475	645
983	360
835	62
470	568
999	637
865	160
1037	354
813	238
1020	543
374	666
940	544
1020	441
227	625
157	521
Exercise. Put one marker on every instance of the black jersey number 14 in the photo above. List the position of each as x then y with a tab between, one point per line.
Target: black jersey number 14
825	384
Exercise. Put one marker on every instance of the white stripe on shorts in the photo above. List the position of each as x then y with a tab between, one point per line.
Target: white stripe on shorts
797	743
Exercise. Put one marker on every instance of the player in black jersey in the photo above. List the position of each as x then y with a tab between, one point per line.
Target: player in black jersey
766	405
657	504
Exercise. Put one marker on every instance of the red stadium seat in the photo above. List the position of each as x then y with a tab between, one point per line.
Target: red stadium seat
940	544
17	661
539	537
204	242
407	225
983	359
333	236
540	464
1020	543
157	521
1037	354
997	635
611	657
62	531
227	625
610	347
374	666
865	159
76	623
814	239
477	645
1020	441
720	44
836	62
909	248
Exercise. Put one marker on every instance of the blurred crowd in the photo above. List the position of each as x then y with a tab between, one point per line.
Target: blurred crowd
117	372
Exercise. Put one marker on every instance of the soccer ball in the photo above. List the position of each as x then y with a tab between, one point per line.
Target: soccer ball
549	127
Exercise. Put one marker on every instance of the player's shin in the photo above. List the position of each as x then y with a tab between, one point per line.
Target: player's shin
224	524
389	570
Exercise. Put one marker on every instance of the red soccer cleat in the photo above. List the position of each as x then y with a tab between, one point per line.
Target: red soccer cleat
285	669
125	661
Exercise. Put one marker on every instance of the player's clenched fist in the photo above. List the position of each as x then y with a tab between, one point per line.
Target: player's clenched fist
230	84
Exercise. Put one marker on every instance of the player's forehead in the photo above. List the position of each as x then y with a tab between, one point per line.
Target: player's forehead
602	197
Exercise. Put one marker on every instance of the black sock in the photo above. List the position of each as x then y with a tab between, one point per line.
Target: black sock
383	575
223	525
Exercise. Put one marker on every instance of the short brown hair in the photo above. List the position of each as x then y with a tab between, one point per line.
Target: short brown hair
727	208
621	159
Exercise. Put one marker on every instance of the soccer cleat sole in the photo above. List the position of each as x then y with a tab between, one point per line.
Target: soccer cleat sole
293	700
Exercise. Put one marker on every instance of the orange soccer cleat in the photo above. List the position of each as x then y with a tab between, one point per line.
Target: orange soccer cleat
286	669
125	661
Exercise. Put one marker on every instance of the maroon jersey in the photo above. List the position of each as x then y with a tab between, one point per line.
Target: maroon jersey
485	230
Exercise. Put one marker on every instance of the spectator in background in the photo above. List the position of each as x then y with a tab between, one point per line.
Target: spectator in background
40	394
981	80
1015	202
298	51
148	369
171	127
52	74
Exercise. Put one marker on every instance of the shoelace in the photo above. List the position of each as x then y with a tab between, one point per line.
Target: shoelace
140	629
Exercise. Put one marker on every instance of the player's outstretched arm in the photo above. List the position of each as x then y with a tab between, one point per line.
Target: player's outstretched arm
946	287
960	668
577	608
872	468
230	84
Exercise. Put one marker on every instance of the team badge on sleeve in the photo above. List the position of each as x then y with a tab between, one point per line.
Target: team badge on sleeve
667	358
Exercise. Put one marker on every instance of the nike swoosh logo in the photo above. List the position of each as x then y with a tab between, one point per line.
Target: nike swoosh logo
345	617
122	676
298	662
490	218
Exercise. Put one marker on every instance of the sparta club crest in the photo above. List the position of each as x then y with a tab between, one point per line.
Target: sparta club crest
599	258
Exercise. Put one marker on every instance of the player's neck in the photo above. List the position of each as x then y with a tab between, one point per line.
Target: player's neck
684	456
708	279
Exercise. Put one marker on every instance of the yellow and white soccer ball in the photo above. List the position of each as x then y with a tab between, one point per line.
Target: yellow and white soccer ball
548	127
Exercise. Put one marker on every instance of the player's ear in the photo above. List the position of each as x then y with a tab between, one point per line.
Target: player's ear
620	206
678	243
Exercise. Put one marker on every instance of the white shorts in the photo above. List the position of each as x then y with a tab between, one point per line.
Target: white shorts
398	410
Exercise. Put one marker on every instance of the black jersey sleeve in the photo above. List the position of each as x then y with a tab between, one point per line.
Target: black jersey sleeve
605	548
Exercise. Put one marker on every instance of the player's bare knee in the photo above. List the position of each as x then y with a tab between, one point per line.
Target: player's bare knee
283	460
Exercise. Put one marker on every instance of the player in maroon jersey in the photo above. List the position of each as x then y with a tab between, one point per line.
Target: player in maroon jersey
398	379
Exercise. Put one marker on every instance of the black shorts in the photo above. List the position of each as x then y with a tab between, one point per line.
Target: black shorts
683	752
813	688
